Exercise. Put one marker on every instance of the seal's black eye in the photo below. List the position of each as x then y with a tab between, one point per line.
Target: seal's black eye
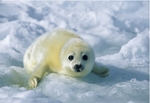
70	57
85	57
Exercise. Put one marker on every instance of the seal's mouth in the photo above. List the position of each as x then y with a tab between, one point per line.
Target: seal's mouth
78	68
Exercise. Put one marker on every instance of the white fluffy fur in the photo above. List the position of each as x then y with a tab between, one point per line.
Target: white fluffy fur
49	53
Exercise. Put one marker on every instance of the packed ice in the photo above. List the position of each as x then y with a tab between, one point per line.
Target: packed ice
118	31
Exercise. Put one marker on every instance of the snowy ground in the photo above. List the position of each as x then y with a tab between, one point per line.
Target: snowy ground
118	32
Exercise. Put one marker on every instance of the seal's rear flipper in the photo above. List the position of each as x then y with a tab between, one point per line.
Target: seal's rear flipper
100	70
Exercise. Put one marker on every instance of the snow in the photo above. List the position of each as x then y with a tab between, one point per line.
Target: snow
118	31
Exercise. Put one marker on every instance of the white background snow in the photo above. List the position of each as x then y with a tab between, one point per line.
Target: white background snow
117	30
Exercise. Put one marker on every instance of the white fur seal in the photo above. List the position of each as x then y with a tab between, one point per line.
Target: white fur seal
60	51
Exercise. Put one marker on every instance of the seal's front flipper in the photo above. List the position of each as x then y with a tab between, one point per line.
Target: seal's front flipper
33	82
100	70
37	75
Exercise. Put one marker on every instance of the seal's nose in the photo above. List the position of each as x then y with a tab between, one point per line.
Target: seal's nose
78	67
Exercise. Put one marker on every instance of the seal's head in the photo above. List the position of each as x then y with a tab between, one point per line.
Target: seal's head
77	58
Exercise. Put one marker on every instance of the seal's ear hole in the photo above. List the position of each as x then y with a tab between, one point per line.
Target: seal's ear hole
70	57
85	57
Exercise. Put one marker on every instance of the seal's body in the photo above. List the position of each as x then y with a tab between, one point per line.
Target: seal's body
60	51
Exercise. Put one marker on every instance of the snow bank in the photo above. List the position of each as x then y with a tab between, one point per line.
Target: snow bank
22	95
13	87
137	48
94	89
20	33
118	31
124	87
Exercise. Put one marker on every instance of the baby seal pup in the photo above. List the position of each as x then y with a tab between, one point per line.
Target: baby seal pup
60	51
